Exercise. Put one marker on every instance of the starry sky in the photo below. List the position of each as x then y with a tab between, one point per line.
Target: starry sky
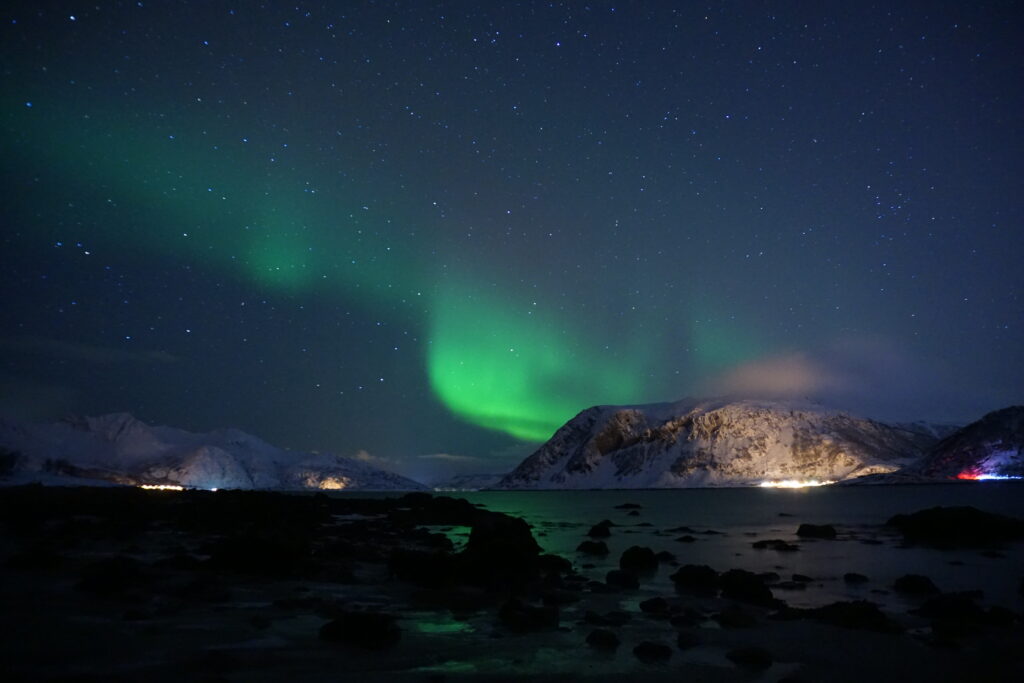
428	233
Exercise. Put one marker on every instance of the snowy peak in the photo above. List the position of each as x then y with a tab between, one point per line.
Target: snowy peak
991	447
119	448
714	443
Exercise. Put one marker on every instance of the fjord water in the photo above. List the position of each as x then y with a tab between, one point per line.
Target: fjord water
561	520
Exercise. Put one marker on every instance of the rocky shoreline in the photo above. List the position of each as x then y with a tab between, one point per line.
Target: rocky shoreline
123	585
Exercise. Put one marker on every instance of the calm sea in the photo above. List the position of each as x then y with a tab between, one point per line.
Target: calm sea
562	518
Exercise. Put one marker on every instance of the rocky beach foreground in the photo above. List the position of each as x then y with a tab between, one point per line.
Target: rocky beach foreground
123	584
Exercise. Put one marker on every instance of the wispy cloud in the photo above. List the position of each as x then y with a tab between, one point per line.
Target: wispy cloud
87	353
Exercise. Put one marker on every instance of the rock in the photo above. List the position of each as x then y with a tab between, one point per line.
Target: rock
952	607
826	531
650	651
733	616
854	578
554	564
522	617
739	584
602	639
426	569
629	506
686	539
601	530
619	578
613	618
111	575
370	630
696	578
802	578
775	544
790	586
680	530
633	513
915	584
951	527
856	614
638	559
500	538
687	640
592	548
751	657
665	556
658	606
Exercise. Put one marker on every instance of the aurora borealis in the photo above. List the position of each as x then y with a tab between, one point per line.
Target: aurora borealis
412	229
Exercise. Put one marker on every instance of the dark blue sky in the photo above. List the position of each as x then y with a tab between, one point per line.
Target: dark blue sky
412	229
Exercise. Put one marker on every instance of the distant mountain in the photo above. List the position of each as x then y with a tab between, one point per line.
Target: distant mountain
468	482
695	443
118	448
992	446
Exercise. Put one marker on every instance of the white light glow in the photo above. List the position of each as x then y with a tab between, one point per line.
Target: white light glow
794	483
161	487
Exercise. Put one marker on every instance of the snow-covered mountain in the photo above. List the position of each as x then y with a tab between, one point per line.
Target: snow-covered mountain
468	482
991	447
121	449
693	443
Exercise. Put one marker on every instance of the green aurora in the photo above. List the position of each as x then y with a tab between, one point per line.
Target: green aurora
497	361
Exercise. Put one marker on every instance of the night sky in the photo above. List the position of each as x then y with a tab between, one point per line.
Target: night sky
429	233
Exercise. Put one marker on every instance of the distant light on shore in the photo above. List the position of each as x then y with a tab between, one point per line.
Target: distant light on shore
161	487
794	483
970	476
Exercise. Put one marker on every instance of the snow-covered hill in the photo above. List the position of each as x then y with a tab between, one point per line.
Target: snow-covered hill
991	447
695	443
121	449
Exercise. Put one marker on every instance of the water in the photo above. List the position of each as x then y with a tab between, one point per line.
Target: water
562	518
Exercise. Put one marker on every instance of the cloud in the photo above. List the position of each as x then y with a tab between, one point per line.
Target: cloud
87	353
873	376
450	457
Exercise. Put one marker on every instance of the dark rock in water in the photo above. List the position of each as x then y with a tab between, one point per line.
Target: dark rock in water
111	575
686	539
522	617
775	544
638	559
592	548
602	639
277	555
613	618
501	538
915	584
680	530
665	556
633	513
426	569
751	657
696	578
802	578
952	527
687	640
826	531
854	578
554	564
688	618
371	630
952	607
857	614
656	605
602	529
558	597
733	616
629	506
769	577
650	651
745	586
791	586
619	578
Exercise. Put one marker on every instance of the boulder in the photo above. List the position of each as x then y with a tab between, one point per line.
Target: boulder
952	527
602	639
826	531
602	529
739	584
915	584
856	614
775	544
619	578
854	578
370	630
638	559
657	606
650	651
696	578
750	657
599	548
521	617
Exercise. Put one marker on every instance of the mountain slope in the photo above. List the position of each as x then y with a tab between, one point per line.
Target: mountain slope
992	446
121	449
714	443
